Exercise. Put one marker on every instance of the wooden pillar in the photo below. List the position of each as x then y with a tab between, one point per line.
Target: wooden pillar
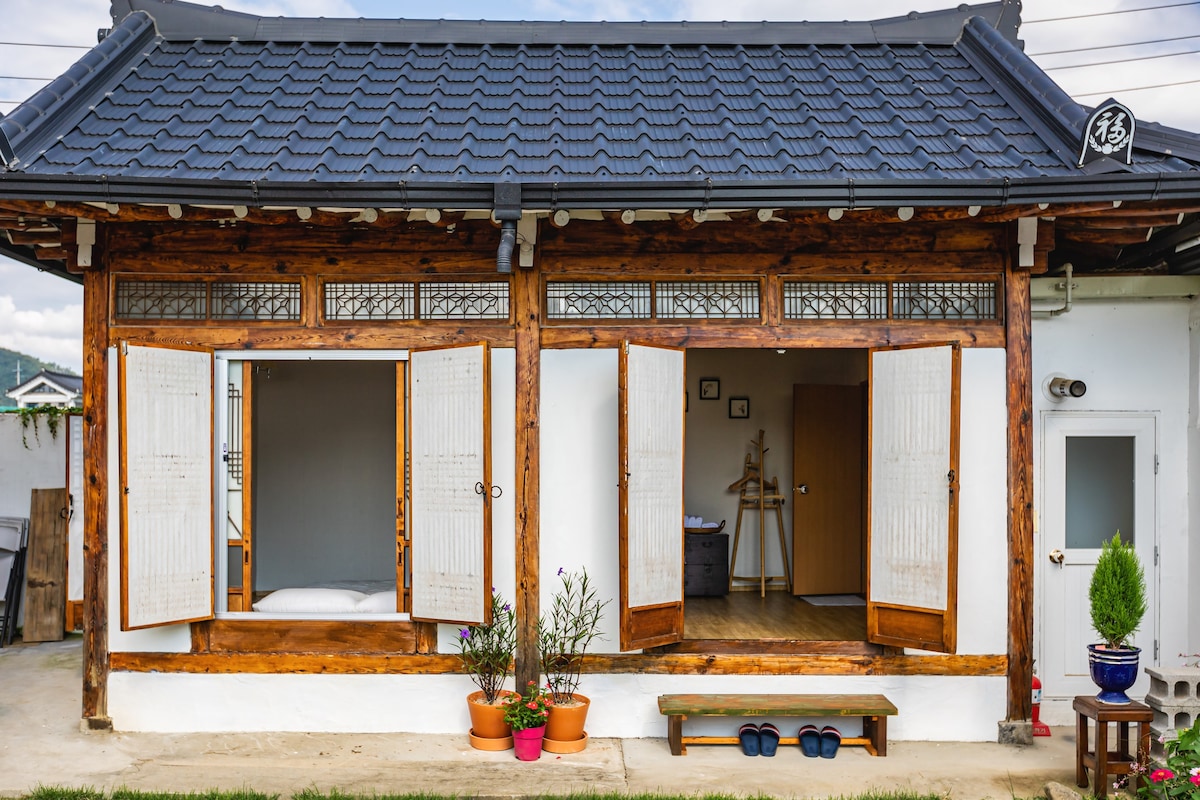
95	478
1017	323
527	314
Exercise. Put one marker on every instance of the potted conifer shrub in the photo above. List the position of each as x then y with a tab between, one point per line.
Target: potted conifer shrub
1117	594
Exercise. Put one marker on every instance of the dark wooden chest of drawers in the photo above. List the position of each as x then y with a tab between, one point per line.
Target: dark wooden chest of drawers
705	563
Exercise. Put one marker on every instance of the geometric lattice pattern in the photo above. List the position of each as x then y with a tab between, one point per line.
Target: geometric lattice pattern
944	299
382	300
463	299
835	300
891	299
706	299
160	299
256	300
598	300
202	300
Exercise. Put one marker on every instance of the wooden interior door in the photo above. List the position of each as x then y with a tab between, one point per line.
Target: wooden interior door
827	492
46	569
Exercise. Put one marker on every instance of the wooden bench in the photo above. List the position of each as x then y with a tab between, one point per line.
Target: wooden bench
873	708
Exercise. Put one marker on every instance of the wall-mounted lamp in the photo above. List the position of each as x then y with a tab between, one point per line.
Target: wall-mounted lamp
1058	387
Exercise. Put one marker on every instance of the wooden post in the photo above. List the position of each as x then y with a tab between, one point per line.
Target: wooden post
95	523
1017	321
527	315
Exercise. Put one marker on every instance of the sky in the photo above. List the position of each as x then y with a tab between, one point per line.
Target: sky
1159	80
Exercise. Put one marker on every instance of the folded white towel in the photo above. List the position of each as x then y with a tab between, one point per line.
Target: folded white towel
710	525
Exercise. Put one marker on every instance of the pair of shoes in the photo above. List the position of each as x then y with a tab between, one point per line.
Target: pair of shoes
823	743
759	740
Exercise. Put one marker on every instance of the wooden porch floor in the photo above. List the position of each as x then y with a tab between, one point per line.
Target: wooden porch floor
779	615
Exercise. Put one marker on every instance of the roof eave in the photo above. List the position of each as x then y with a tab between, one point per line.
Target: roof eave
638	194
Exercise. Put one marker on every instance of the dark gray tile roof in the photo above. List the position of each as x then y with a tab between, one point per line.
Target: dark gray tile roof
144	105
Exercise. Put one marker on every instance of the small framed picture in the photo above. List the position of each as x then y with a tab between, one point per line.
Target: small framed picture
710	389
739	408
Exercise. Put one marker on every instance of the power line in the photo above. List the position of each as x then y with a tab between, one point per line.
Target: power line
1108	13
1111	46
46	44
1122	60
1114	92
19	78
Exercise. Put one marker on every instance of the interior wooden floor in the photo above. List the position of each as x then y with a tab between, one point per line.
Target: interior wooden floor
779	615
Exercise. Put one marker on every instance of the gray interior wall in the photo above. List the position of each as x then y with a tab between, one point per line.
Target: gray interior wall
324	472
1193	470
716	446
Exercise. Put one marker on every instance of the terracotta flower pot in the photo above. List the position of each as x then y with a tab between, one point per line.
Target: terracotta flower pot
527	743
487	721
565	723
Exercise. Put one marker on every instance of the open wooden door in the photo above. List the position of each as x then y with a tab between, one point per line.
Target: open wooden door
651	401
450	520
912	575
165	400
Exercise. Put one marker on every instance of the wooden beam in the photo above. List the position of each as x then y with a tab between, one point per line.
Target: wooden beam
527	316
816	333
617	664
95	522
271	336
1020	492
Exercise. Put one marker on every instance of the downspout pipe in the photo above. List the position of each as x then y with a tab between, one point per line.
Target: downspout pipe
507	210
1066	306
508	242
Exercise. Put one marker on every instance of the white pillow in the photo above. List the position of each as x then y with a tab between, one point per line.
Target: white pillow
332	601
378	603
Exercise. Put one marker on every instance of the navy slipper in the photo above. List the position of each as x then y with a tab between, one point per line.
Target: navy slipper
749	735
831	739
810	741
768	736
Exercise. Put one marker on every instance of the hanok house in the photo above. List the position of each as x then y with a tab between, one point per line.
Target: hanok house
416	309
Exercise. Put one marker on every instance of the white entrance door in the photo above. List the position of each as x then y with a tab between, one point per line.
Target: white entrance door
1098	478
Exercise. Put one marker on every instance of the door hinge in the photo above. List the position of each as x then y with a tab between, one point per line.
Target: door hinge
1156	651
1156	555
1156	463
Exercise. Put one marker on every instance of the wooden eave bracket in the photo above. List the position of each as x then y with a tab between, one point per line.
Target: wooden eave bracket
85	239
1027	236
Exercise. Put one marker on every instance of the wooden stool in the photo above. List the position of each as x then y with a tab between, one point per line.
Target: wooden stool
1102	761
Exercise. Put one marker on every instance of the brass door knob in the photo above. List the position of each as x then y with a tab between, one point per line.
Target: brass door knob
1056	556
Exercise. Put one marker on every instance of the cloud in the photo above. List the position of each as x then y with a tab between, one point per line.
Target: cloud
51	334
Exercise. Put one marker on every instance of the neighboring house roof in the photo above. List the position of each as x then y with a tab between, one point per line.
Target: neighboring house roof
47	382
182	103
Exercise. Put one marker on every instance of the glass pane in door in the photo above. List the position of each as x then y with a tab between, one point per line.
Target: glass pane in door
1099	490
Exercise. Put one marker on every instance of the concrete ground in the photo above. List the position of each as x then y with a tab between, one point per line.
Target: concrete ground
41	744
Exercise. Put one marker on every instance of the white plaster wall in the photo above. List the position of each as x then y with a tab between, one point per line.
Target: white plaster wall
1134	355
41	465
623	706
1193	444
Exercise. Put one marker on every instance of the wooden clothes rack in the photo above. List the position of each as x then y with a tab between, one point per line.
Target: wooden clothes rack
758	494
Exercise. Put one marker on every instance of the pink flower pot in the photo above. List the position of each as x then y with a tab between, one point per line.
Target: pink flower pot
528	743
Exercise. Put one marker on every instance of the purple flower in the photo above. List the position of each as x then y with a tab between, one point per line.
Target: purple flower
507	607
464	633
561	570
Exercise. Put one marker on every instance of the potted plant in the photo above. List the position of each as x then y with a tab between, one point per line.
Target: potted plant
526	713
487	651
1118	602
564	633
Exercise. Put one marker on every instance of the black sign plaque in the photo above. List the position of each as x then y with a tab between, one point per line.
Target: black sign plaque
1108	134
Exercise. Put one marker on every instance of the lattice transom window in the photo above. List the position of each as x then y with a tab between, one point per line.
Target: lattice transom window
653	300
891	299
706	299
411	300
136	299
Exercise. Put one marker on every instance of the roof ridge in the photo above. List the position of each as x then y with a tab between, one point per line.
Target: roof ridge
69	95
177	19
1049	110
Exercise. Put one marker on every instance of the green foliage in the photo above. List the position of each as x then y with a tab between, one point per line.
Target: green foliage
30	366
1117	593
30	416
487	650
528	709
566	631
1178	778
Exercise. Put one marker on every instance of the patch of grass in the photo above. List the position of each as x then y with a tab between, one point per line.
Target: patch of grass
88	793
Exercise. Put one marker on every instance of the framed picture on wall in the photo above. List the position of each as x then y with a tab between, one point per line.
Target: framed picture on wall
710	389
739	407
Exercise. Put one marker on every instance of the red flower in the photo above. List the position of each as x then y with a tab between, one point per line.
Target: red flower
1160	775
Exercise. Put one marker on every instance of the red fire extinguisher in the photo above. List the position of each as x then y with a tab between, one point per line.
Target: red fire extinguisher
1039	728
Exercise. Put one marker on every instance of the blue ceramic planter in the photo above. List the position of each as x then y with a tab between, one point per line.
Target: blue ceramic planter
1113	671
